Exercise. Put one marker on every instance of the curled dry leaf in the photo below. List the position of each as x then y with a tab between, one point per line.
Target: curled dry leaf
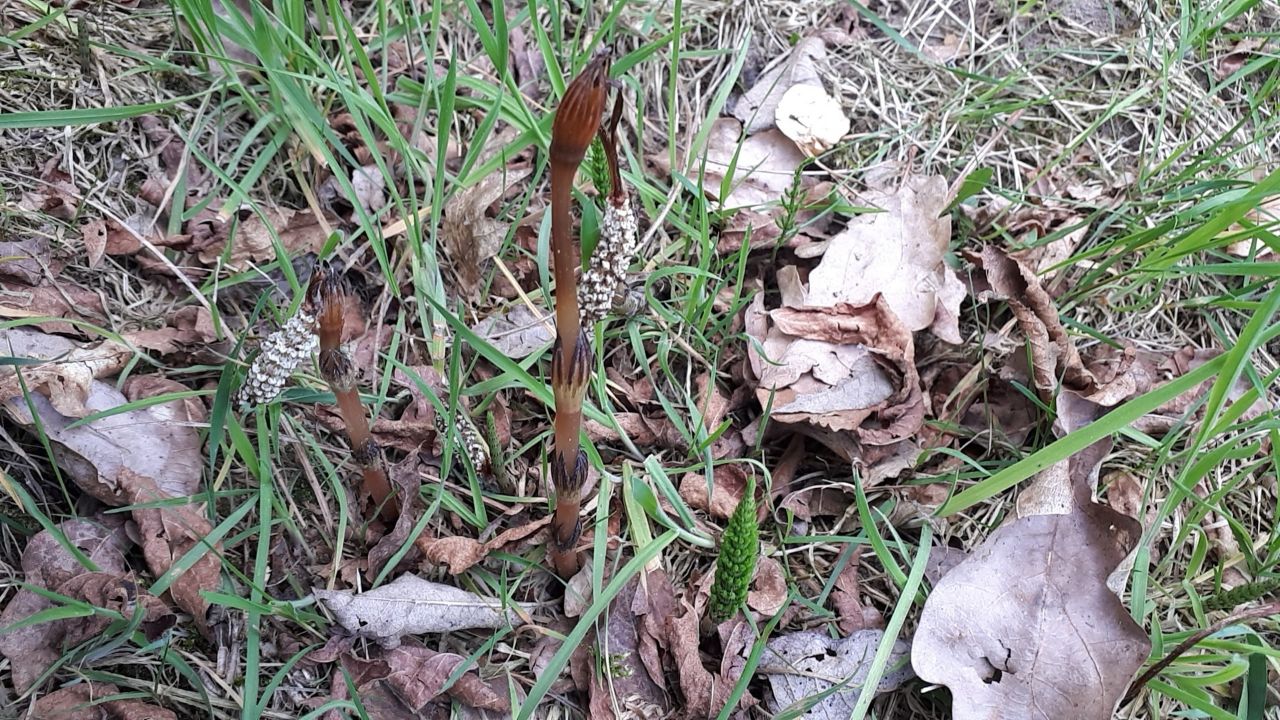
401	684
410	605
842	368
804	664
66	376
758	107
814	120
155	441
729	483
64	300
846	597
461	553
763	167
83	701
471	237
897	253
299	232
167	533
768	591
49	565
1026	626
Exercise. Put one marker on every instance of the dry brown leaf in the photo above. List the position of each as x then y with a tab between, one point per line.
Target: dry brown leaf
1052	351
471	237
758	107
517	333
803	664
82	701
1026	627
1231	63
897	254
24	260
114	592
730	481
47	564
68	375
418	676
654	603
697	684
950	48
65	300
626	690
577	592
168	533
94	236
846	597
410	605
764	170
841	368
299	232
370	187
156	441
461	553
189	327
768	591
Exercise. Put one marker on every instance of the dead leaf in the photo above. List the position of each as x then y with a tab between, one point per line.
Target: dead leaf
803	664
813	119
418	676
1231	63
577	592
299	232
517	333
369	186
410	605
94	236
1052	351
65	379
768	591
154	441
897	253
65	300
950	48
1026	626
461	553
729	482
168	533
114	592
841	368
47	564
758	107
190	327
24	260
851	614
764	169
625	690
83	701
697	684
471	237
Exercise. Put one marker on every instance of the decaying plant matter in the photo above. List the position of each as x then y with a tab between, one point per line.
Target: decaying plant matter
576	123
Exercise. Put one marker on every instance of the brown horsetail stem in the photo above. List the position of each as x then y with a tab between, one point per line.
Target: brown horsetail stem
576	123
327	295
